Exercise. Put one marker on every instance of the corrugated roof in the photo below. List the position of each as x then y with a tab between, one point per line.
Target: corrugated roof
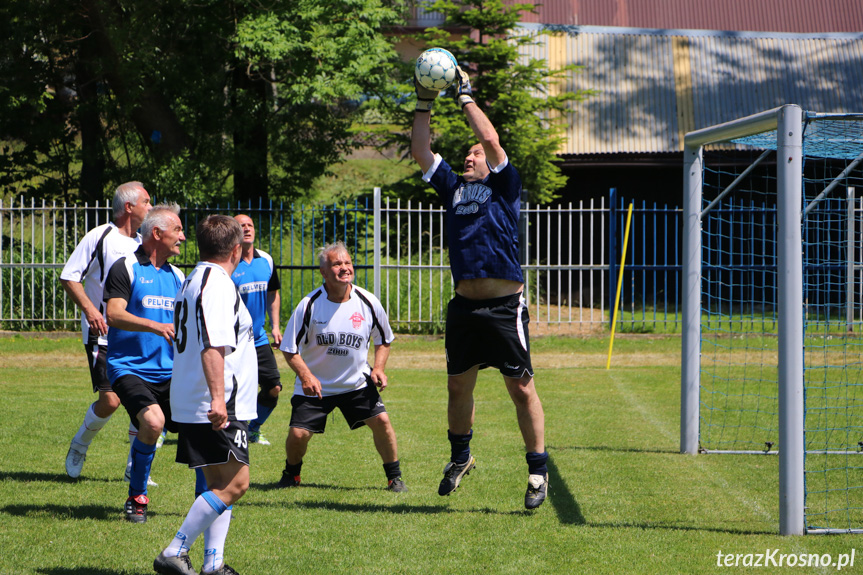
653	86
797	16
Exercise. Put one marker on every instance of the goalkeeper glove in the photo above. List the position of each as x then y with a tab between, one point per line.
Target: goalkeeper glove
463	90
425	97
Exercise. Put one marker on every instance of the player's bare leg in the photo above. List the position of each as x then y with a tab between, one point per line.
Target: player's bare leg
531	422
460	416
296	445
385	442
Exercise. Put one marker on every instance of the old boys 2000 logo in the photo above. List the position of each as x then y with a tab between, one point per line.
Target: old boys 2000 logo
357	320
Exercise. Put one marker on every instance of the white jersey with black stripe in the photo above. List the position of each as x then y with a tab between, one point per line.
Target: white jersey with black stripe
208	312
333	338
90	262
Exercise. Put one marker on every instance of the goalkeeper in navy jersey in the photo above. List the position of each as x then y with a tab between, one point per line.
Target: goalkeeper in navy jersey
258	284
139	297
487	319
326	343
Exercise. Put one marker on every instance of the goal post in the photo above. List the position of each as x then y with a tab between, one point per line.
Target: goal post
787	122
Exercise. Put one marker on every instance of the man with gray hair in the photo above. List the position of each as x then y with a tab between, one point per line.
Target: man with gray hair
83	278
139	297
326	343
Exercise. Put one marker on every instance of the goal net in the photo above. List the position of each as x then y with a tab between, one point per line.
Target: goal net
773	309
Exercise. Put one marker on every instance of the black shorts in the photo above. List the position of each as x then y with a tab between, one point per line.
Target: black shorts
135	394
311	413
268	370
199	445
98	365
488	333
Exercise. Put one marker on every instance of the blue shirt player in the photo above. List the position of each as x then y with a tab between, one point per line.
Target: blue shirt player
258	284
139	296
487	319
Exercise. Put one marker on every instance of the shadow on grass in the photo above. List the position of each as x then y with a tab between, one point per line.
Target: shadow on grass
97	512
673	527
277	487
87	571
28	476
398	508
561	498
613	449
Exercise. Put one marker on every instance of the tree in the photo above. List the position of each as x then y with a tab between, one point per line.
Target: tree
201	100
515	93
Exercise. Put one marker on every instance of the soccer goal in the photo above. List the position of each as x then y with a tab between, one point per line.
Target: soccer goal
772	349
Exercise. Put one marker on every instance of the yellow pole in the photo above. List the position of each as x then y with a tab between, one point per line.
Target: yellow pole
619	284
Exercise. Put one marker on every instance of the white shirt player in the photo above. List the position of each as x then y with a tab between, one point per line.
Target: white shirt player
92	260
333	338
208	312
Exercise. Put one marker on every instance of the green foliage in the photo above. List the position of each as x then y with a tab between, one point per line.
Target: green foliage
519	96
202	100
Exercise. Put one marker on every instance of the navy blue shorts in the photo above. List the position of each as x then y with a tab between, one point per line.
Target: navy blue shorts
268	370
311	413
135	394
199	445
488	333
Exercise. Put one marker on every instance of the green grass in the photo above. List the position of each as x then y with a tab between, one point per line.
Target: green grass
622	500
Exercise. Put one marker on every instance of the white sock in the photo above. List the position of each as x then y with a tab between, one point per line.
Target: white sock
214	542
200	516
133	433
91	426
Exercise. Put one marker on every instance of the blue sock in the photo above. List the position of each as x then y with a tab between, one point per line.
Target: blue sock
217	504
264	412
200	482
460	446
142	459
537	463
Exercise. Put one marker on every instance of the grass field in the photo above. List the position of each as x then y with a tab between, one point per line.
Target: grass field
621	499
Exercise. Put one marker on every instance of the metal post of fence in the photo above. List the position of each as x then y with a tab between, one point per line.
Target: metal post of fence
377	242
612	251
849	279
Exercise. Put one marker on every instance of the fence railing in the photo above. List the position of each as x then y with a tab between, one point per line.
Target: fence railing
570	257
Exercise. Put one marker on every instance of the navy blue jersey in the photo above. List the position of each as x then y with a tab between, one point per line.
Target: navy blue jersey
254	280
481	222
149	293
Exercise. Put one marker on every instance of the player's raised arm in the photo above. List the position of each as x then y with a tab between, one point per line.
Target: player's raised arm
478	121
421	134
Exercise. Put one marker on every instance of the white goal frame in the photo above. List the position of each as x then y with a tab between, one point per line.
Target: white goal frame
788	122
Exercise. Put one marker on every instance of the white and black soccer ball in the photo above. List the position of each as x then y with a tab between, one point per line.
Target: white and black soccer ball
435	69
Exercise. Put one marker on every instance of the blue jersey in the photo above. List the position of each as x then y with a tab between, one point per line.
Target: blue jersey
481	221
149	293
254	280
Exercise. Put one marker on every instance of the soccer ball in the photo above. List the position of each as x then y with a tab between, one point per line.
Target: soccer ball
435	69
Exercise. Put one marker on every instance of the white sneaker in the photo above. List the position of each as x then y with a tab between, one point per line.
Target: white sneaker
75	460
127	477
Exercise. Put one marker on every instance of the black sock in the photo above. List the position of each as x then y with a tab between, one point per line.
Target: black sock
392	470
536	463
293	470
460	446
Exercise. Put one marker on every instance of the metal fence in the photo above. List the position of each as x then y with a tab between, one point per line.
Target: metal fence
570	253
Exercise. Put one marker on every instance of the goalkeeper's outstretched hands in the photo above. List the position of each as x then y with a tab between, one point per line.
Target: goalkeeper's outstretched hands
425	97
463	92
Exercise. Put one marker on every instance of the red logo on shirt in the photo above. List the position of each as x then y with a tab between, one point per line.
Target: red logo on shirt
357	320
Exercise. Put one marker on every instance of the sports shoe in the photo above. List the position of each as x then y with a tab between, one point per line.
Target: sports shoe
537	486
397	485
136	508
75	460
161	441
127	477
452	474
289	480
181	565
258	437
223	570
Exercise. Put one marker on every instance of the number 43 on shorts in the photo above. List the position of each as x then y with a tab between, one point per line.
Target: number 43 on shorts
240	439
